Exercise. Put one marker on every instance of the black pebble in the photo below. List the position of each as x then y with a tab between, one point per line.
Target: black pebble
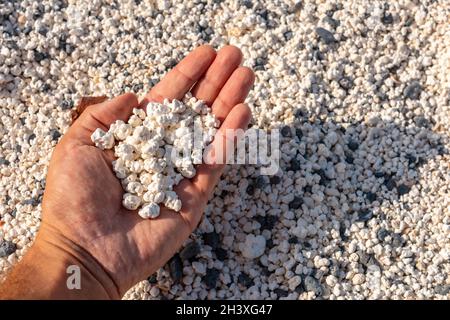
211	239
371	196
55	134
293	240
45	87
422	122
403	189
275	179
296	203
250	190
413	90
442	289
32	201
39	56
412	159
247	3
267	222
317	55
364	215
211	277
245	280
137	87
288	35
389	183
31	137
299	133
295	164
176	268
353	145
332	22
263	13
7	248
260	182
190	251
299	289
286	131
260	63
269	244
27	30
43	30
325	35
382	234
379	174
3	161
281	292
323	178
387	18
342	231
346	83
152	279
69	48
65	105
349	158
221	254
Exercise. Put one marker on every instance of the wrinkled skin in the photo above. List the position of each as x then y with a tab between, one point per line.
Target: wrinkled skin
82	200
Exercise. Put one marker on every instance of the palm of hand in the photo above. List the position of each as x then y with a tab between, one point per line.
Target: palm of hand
83	197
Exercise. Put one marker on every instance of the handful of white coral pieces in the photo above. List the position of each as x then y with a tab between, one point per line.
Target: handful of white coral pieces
156	149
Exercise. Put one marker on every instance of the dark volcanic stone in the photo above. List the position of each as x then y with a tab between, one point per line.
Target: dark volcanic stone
250	190
293	240
7	248
245	280
211	239
267	222
152	279
379	174
346	83
288	35
286	131
353	145
247	3
260	182
387	18
332	22
403	189
275	180
295	164
190	251
389	183
211	277
3	161
176	268
221	254
364	215
55	134
39	56
296	203
382	234
371	196
281	293
325	35
413	90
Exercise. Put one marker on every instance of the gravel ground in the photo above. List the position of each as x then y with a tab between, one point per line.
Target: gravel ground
360	89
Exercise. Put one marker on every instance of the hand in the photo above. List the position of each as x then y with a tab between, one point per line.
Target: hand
82	210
